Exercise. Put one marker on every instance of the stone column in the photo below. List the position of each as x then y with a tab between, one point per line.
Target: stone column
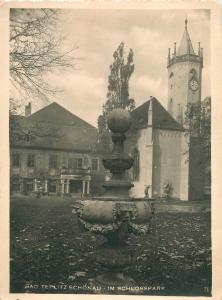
67	186
88	190
83	187
22	186
63	186
35	185
46	186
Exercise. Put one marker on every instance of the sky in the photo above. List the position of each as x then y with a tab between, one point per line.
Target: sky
149	33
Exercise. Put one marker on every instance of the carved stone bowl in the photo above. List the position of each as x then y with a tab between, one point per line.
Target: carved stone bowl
106	215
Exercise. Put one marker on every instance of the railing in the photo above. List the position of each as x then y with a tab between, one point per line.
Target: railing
185	57
69	171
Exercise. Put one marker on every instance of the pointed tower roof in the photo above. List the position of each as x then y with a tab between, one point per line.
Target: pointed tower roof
186	46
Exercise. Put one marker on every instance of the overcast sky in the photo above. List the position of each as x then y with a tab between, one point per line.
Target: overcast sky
148	32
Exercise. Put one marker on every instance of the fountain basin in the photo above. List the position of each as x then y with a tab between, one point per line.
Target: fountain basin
103	214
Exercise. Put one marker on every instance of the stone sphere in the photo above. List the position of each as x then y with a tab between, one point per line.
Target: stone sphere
119	120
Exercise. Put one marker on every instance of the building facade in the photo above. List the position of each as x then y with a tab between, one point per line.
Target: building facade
54	152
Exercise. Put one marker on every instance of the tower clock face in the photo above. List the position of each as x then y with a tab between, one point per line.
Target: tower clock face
193	85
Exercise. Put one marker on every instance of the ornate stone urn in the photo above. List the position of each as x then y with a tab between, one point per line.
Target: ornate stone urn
115	215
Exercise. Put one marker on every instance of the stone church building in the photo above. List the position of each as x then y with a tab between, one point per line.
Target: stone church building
166	155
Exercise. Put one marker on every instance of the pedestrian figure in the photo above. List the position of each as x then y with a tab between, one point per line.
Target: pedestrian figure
146	191
167	190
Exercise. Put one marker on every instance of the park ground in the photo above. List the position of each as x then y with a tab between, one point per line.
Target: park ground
50	254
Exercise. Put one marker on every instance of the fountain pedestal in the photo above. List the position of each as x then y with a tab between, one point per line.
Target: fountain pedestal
116	215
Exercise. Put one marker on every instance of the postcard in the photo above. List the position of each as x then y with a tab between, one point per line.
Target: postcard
110	149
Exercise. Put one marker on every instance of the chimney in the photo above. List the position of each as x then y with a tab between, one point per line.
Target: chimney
28	110
150	112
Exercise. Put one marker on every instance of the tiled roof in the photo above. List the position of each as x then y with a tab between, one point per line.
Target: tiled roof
54	127
55	113
161	119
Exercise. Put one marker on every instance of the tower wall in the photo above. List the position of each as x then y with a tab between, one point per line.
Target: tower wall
184	89
179	91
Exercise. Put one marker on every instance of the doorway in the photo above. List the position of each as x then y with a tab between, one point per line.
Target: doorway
75	186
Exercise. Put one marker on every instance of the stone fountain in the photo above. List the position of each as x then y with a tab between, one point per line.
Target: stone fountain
115	215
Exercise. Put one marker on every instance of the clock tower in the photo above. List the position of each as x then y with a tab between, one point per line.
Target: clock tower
184	77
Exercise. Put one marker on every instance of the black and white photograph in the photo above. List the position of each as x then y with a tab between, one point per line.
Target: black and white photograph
110	151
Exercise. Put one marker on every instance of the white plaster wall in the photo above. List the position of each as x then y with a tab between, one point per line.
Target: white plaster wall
167	162
145	147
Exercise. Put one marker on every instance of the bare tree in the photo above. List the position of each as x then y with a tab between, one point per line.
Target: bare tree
35	51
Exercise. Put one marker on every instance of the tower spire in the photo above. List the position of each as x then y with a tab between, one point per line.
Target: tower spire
186	46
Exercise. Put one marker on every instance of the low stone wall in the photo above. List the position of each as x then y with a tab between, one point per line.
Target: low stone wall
182	206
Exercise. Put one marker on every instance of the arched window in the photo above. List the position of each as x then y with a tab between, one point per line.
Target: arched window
171	74
136	165
193	73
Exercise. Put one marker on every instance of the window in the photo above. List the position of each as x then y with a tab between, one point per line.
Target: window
171	74
53	161
75	163
15	184
95	164
15	187
31	161
193	72
16	160
72	163
79	163
28	186
52	186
